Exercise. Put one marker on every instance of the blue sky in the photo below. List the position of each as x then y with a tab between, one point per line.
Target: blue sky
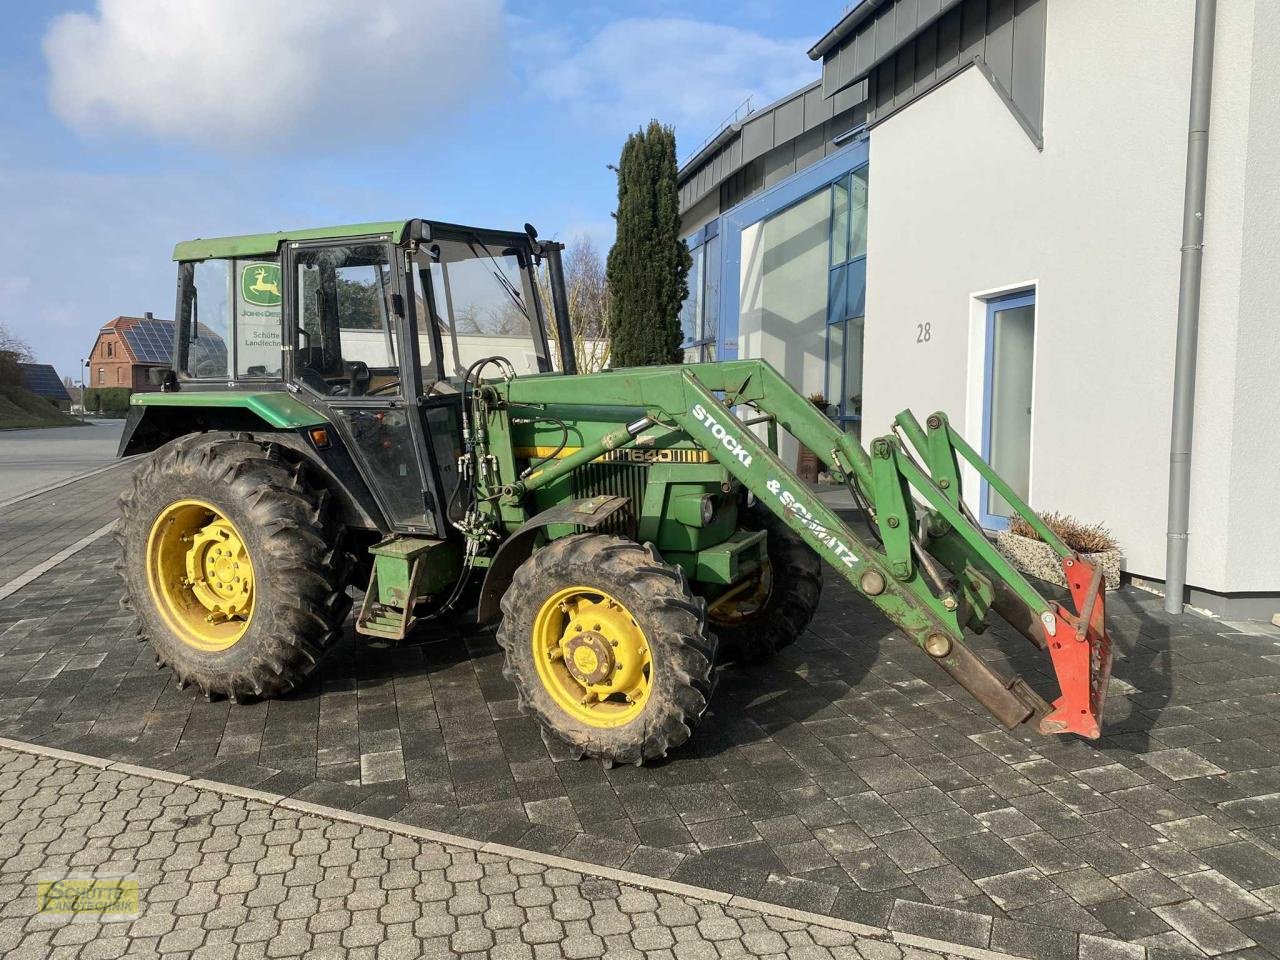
127	125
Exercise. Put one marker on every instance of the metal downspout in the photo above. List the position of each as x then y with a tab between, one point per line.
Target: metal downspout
1184	374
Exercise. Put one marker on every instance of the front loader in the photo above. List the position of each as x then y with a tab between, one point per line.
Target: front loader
375	407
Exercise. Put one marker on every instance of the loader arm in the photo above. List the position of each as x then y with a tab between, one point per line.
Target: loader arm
925	530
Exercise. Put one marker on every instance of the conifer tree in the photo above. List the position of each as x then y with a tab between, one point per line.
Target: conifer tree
648	267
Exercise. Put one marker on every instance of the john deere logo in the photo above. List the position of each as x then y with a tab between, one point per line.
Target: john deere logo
260	284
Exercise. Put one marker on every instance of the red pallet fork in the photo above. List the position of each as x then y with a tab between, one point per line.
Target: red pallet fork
1081	651
1076	640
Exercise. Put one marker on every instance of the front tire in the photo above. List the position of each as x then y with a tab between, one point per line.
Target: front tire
232	561
770	612
607	648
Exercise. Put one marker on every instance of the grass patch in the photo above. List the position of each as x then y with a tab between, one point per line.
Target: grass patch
21	408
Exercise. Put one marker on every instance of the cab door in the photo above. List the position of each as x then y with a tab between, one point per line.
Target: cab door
352	355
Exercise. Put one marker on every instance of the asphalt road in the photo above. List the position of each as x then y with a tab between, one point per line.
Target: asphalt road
33	459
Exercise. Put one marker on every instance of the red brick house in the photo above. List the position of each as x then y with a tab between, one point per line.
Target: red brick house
126	348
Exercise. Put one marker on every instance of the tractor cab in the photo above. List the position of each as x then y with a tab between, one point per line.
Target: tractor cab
374	326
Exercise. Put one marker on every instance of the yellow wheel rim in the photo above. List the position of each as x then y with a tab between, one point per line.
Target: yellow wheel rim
592	657
200	575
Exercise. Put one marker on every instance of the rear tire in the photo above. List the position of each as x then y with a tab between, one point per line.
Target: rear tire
583	611
261	501
790	591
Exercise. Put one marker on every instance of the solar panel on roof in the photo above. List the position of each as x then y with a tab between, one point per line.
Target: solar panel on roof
42	380
150	340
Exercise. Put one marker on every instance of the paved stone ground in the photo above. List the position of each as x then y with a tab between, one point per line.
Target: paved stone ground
849	776
223	877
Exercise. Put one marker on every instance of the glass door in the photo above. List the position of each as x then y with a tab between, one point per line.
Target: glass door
349	357
1006	401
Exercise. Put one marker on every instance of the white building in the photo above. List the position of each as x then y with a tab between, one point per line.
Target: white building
978	208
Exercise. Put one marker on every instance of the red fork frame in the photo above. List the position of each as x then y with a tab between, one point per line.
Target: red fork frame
1081	651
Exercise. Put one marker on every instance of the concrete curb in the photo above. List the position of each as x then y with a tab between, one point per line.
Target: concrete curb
655	884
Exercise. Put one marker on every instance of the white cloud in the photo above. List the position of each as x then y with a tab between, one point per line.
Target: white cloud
683	72
260	73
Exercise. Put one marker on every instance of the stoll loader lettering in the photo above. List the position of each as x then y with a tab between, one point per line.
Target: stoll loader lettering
377	406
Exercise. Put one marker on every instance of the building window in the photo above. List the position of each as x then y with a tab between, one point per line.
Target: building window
102	376
700	313
111	352
846	299
119	375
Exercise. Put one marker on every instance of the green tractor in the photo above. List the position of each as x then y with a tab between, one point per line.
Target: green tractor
380	406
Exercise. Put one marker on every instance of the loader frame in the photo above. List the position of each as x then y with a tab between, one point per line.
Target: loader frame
934	573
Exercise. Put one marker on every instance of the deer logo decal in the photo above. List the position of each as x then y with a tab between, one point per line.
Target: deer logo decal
260	284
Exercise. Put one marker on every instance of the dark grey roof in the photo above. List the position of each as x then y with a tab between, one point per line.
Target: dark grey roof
42	380
801	114
858	11
893	51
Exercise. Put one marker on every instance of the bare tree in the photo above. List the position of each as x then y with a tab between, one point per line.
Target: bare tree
587	291
13	351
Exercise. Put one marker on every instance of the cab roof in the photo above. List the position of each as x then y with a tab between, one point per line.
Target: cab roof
263	244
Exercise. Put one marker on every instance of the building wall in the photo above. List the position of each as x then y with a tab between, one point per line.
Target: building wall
110	364
963	205
114	367
1254	463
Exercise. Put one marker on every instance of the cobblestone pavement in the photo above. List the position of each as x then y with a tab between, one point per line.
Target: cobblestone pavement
848	776
226	878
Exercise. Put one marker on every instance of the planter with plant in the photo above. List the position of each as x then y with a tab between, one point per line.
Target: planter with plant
807	463
1026	551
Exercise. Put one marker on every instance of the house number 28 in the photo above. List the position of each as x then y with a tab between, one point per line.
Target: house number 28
924	332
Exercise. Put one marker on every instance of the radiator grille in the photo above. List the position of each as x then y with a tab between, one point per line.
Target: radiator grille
612	479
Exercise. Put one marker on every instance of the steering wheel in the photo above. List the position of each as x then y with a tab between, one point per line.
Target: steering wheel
383	388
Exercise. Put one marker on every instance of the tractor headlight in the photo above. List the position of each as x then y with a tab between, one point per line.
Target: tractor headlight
695	510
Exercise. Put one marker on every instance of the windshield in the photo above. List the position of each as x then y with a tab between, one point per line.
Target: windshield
478	296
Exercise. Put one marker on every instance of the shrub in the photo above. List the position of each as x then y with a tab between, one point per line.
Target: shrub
108	401
1081	537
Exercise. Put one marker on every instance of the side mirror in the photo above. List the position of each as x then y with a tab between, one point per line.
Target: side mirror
156	376
531	233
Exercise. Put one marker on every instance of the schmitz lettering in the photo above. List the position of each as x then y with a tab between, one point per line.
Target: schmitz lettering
794	508
727	440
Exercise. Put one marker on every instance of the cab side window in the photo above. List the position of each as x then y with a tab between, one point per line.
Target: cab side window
209	327
346	338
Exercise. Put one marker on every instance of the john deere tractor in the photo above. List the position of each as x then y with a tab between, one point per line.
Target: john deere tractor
379	407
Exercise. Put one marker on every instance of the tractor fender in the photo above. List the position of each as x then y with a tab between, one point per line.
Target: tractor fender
588	514
149	428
